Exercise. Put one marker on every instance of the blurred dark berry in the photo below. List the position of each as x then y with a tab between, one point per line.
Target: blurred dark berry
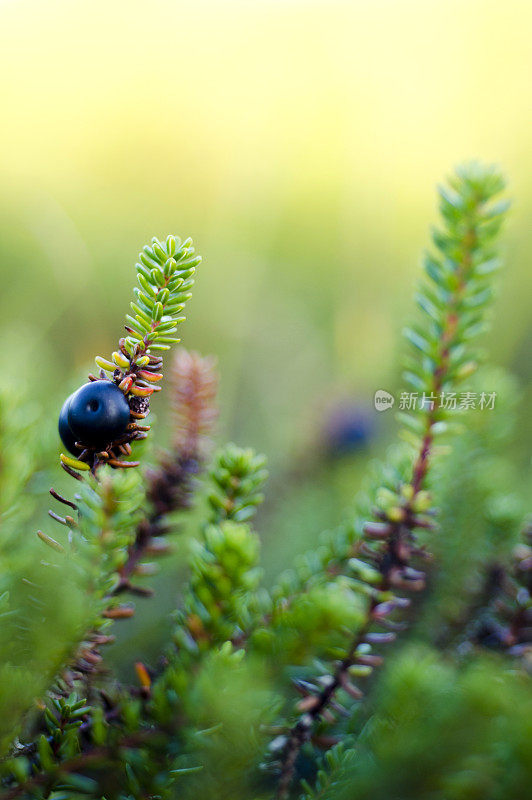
348	429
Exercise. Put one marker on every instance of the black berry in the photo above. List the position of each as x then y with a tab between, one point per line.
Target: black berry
97	414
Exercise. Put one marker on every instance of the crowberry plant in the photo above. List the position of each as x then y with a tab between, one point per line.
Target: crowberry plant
277	691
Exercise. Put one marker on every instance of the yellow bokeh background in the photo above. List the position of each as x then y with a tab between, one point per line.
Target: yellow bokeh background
299	143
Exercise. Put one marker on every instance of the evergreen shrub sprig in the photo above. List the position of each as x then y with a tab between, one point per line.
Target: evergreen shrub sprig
384	557
165	275
263	691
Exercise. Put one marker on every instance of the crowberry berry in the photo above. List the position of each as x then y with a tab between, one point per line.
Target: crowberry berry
95	415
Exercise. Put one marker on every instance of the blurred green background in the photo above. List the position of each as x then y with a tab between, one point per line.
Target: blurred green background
299	144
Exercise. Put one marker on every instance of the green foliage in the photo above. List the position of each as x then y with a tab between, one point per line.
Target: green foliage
164	273
481	510
42	610
222	597
230	705
108	510
224	575
335	773
440	731
17	425
315	623
238	476
453	298
262	692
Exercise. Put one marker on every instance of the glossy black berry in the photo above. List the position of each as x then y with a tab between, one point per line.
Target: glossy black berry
97	414
67	437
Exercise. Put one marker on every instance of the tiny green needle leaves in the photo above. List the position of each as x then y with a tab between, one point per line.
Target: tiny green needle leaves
165	275
454	294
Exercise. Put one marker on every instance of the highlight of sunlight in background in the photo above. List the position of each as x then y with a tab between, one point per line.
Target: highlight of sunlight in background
298	142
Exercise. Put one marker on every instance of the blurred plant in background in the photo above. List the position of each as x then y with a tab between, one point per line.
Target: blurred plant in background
298	140
267	686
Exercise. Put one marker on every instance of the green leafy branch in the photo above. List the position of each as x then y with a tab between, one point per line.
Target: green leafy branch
121	522
225	577
237	476
224	564
333	777
457	288
384	557
165	275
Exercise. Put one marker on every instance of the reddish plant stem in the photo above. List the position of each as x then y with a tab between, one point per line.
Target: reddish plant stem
301	731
